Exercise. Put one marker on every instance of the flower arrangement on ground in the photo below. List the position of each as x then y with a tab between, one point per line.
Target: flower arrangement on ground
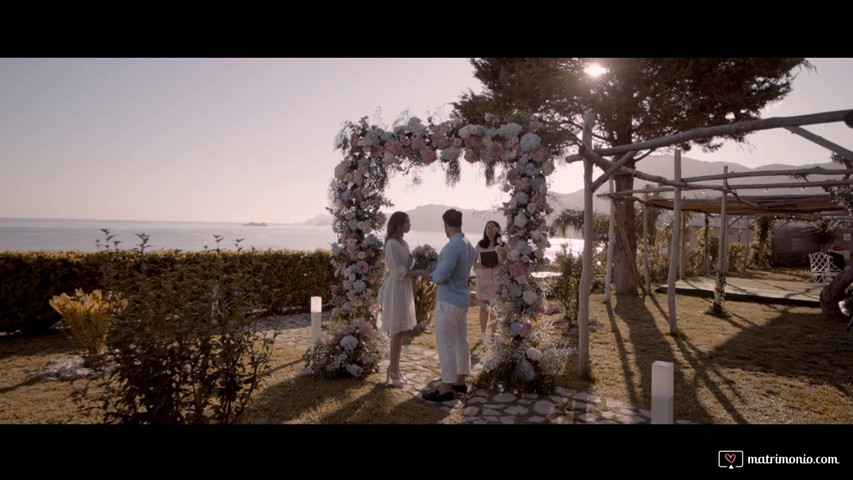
425	257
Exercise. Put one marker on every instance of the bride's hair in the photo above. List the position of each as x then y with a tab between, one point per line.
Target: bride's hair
395	223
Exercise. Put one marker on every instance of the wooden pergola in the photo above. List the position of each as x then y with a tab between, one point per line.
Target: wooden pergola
729	202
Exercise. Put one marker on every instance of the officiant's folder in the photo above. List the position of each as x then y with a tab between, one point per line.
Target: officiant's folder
489	259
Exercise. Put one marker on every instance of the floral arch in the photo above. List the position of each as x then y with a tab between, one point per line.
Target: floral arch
352	346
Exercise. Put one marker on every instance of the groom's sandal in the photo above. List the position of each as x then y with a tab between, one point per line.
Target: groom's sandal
460	388
435	396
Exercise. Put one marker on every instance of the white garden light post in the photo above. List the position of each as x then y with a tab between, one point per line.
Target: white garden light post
316	318
662	392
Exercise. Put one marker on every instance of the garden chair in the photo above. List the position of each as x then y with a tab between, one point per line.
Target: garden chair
823	268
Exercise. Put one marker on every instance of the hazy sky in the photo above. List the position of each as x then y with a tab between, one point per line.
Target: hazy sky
252	139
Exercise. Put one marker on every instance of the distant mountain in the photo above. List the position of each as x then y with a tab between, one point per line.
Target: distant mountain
320	220
428	217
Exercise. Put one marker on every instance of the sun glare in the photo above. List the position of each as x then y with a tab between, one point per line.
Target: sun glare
594	70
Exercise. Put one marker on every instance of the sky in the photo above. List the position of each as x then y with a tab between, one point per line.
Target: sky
252	139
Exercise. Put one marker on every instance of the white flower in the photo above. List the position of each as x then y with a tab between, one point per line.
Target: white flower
513	255
389	158
364	226
534	354
364	142
520	220
358	177
531	208
464	131
354	370
536	236
341	170
490	365
530	297
529	141
349	343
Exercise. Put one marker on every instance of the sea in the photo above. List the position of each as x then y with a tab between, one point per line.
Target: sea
36	234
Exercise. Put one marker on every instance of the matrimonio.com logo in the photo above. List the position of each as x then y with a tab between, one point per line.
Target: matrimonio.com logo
730	459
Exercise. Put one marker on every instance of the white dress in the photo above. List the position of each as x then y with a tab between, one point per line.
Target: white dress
396	296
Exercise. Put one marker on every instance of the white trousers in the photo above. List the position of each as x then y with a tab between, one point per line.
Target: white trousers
451	340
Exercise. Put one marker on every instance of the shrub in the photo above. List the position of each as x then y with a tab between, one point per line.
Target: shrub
286	279
737	257
185	347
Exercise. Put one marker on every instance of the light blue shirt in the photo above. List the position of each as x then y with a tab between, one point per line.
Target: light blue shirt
453	270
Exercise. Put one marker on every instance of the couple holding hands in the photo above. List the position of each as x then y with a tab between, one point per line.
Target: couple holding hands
452	301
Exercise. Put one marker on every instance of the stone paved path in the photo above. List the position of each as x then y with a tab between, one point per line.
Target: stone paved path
421	368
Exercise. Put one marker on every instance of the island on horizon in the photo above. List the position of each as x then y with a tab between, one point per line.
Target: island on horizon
253	224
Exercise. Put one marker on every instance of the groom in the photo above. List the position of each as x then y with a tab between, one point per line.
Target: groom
451	309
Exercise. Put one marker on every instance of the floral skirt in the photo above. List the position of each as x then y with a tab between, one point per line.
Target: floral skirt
487	287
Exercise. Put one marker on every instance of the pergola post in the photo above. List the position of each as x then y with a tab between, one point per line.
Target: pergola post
707	246
611	232
722	258
646	243
586	273
675	249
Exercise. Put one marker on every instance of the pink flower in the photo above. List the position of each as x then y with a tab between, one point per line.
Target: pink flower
334	289
534	126
512	175
457	142
540	154
470	156
517	269
418	143
428	155
472	142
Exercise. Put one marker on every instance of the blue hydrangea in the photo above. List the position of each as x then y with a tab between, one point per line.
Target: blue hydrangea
371	239
531	170
353	224
373	137
478	130
336	249
364	163
388	136
354	370
525	370
359	285
450	154
515	328
347	307
347	285
530	141
347	195
509	130
521	198
537	182
349	343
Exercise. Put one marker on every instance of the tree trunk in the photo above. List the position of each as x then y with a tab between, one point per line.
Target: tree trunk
625	256
834	292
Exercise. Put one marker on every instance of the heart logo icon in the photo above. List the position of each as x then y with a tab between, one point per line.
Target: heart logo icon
730	457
